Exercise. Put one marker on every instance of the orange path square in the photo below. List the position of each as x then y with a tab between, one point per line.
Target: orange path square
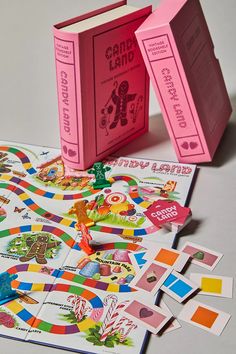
204	317
166	256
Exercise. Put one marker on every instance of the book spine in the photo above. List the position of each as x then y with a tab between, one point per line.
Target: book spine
175	98
66	46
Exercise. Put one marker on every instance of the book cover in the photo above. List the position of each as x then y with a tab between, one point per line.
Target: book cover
102	82
179	54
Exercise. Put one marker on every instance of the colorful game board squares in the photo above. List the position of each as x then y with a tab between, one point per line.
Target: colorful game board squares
202	256
215	285
178	286
204	317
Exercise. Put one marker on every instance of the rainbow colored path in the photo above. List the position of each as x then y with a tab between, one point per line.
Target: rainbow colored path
23	158
67	239
93	299
33	321
25	198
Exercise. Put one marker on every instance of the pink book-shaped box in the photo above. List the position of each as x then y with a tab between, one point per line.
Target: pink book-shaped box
102	83
179	55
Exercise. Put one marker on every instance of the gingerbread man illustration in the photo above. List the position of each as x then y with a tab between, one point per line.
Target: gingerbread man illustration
38	249
121	101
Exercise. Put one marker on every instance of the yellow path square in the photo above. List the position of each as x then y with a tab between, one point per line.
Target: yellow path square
211	285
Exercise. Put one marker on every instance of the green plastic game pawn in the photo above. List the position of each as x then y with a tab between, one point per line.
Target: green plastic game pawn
199	255
100	178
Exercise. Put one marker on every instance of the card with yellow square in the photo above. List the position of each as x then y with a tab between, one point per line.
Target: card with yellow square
215	285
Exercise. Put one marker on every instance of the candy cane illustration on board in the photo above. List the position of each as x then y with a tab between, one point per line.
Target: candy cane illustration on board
105	328
124	334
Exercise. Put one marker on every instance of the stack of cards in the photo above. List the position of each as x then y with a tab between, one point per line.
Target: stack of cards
169	214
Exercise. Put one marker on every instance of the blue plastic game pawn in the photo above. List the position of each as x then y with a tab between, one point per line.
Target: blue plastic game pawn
6	292
99	172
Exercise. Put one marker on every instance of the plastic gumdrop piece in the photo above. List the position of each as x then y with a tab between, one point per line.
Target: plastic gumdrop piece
116	269
96	276
199	255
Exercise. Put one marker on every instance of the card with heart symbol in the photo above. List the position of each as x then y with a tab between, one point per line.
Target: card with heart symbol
149	316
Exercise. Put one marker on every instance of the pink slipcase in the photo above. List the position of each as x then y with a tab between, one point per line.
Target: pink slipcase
102	86
179	55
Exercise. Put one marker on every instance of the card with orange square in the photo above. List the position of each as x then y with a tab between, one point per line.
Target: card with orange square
204	317
168	256
215	285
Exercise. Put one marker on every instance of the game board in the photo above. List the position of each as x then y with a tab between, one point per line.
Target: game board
68	299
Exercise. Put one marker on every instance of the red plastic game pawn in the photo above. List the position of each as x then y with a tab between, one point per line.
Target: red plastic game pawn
86	237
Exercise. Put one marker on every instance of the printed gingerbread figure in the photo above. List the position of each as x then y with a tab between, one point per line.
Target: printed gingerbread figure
38	249
121	101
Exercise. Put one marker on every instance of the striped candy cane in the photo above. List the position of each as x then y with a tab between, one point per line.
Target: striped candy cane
79	309
123	334
79	306
118	325
115	314
105	328
72	299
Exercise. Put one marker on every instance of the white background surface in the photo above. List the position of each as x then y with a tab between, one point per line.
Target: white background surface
28	113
